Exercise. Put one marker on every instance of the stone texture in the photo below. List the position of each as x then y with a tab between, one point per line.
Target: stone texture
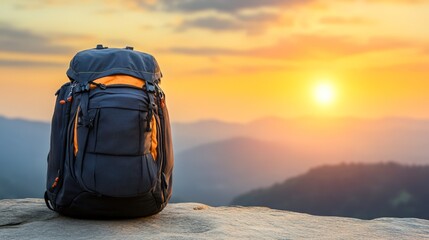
30	219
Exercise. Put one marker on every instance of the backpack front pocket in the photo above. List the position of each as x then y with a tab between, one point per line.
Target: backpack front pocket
119	176
117	132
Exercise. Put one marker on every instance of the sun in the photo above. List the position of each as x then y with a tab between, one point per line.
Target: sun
324	93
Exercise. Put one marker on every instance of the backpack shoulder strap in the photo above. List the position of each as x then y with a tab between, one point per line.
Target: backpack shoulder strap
48	201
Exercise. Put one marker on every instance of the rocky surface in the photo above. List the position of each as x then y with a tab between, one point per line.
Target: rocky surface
30	219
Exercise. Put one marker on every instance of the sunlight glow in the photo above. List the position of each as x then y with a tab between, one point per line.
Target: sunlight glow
324	93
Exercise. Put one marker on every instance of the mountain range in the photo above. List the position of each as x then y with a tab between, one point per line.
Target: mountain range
217	161
365	191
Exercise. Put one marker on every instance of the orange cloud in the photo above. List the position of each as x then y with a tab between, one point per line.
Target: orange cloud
345	20
397	1
240	69
301	47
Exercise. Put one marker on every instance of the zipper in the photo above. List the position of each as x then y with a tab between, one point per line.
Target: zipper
162	124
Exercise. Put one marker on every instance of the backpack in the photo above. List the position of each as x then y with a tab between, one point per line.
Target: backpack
111	152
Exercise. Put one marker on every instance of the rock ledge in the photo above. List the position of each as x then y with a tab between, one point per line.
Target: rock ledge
30	219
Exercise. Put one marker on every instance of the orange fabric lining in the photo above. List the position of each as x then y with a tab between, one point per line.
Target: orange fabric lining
119	79
75	143
154	145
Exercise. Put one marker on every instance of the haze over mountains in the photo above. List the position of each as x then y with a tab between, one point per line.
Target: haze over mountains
271	150
23	151
214	172
351	139
217	161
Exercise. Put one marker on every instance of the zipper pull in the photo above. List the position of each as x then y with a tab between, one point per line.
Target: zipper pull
159	90
57	179
69	95
100	85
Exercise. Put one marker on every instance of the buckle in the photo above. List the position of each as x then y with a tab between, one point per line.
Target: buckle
150	87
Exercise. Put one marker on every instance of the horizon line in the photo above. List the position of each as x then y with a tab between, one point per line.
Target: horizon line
245	122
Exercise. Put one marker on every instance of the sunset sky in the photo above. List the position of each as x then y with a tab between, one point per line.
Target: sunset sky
232	60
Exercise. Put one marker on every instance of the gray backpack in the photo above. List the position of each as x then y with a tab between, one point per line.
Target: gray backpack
111	152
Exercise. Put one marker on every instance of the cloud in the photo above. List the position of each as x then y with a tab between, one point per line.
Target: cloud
406	2
202	51
243	69
230	6
234	6
25	63
43	4
211	23
406	67
325	47
345	21
308	47
254	23
231	18
397	1
24	41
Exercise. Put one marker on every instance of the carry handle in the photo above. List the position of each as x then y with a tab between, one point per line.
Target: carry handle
100	46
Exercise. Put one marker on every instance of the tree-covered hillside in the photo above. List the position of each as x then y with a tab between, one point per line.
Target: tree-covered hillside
353	190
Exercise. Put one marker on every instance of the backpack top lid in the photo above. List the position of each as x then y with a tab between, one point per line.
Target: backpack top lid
98	62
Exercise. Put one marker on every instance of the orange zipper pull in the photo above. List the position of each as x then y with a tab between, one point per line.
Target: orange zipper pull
162	103
55	182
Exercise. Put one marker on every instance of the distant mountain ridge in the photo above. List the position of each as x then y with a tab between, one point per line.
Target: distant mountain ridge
283	148
216	172
189	135
364	191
